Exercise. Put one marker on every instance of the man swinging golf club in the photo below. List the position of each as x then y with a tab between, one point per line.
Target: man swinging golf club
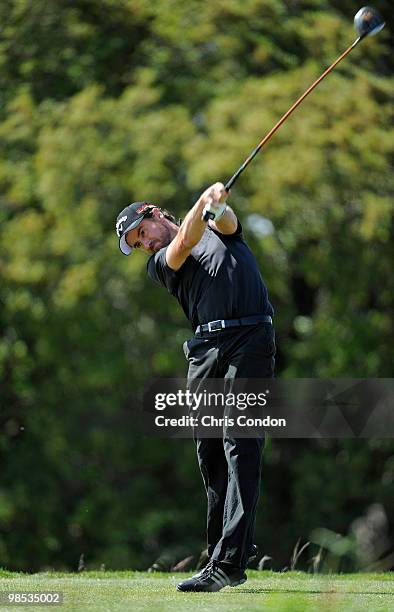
206	264
213	274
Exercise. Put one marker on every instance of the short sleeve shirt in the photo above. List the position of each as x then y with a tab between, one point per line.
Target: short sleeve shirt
220	279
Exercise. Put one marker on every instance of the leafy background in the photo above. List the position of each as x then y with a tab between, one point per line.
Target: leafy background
106	102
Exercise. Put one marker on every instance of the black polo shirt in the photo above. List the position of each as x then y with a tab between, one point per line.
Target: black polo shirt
220	279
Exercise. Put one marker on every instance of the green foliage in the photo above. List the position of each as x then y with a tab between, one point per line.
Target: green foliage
58	48
104	103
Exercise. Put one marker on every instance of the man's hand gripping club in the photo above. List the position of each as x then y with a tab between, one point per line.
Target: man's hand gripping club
215	206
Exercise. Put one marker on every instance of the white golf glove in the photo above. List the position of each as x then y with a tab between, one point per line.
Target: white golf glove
214	211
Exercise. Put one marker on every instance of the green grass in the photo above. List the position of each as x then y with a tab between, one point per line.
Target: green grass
264	591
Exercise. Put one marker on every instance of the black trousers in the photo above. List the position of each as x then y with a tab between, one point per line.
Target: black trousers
231	467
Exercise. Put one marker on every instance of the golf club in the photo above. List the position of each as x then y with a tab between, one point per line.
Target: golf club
367	22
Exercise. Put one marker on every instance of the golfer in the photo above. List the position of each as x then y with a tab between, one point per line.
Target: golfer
210	270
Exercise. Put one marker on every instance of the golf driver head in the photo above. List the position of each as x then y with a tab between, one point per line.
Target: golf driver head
368	22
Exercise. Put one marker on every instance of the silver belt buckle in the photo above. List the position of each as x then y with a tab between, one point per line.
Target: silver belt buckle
216	326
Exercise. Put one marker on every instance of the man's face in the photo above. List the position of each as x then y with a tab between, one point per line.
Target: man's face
151	235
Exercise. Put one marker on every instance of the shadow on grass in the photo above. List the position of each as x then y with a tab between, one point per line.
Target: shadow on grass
313	591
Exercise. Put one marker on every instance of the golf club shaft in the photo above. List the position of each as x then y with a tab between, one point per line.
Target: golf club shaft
247	161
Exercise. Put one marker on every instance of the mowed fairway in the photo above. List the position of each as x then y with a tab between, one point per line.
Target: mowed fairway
268	591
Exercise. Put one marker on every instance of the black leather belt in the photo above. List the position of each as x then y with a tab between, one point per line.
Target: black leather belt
214	326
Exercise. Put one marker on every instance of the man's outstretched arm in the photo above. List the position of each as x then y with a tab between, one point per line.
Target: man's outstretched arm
193	227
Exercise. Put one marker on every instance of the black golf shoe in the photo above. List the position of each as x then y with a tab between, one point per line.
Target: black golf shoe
213	577
253	553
